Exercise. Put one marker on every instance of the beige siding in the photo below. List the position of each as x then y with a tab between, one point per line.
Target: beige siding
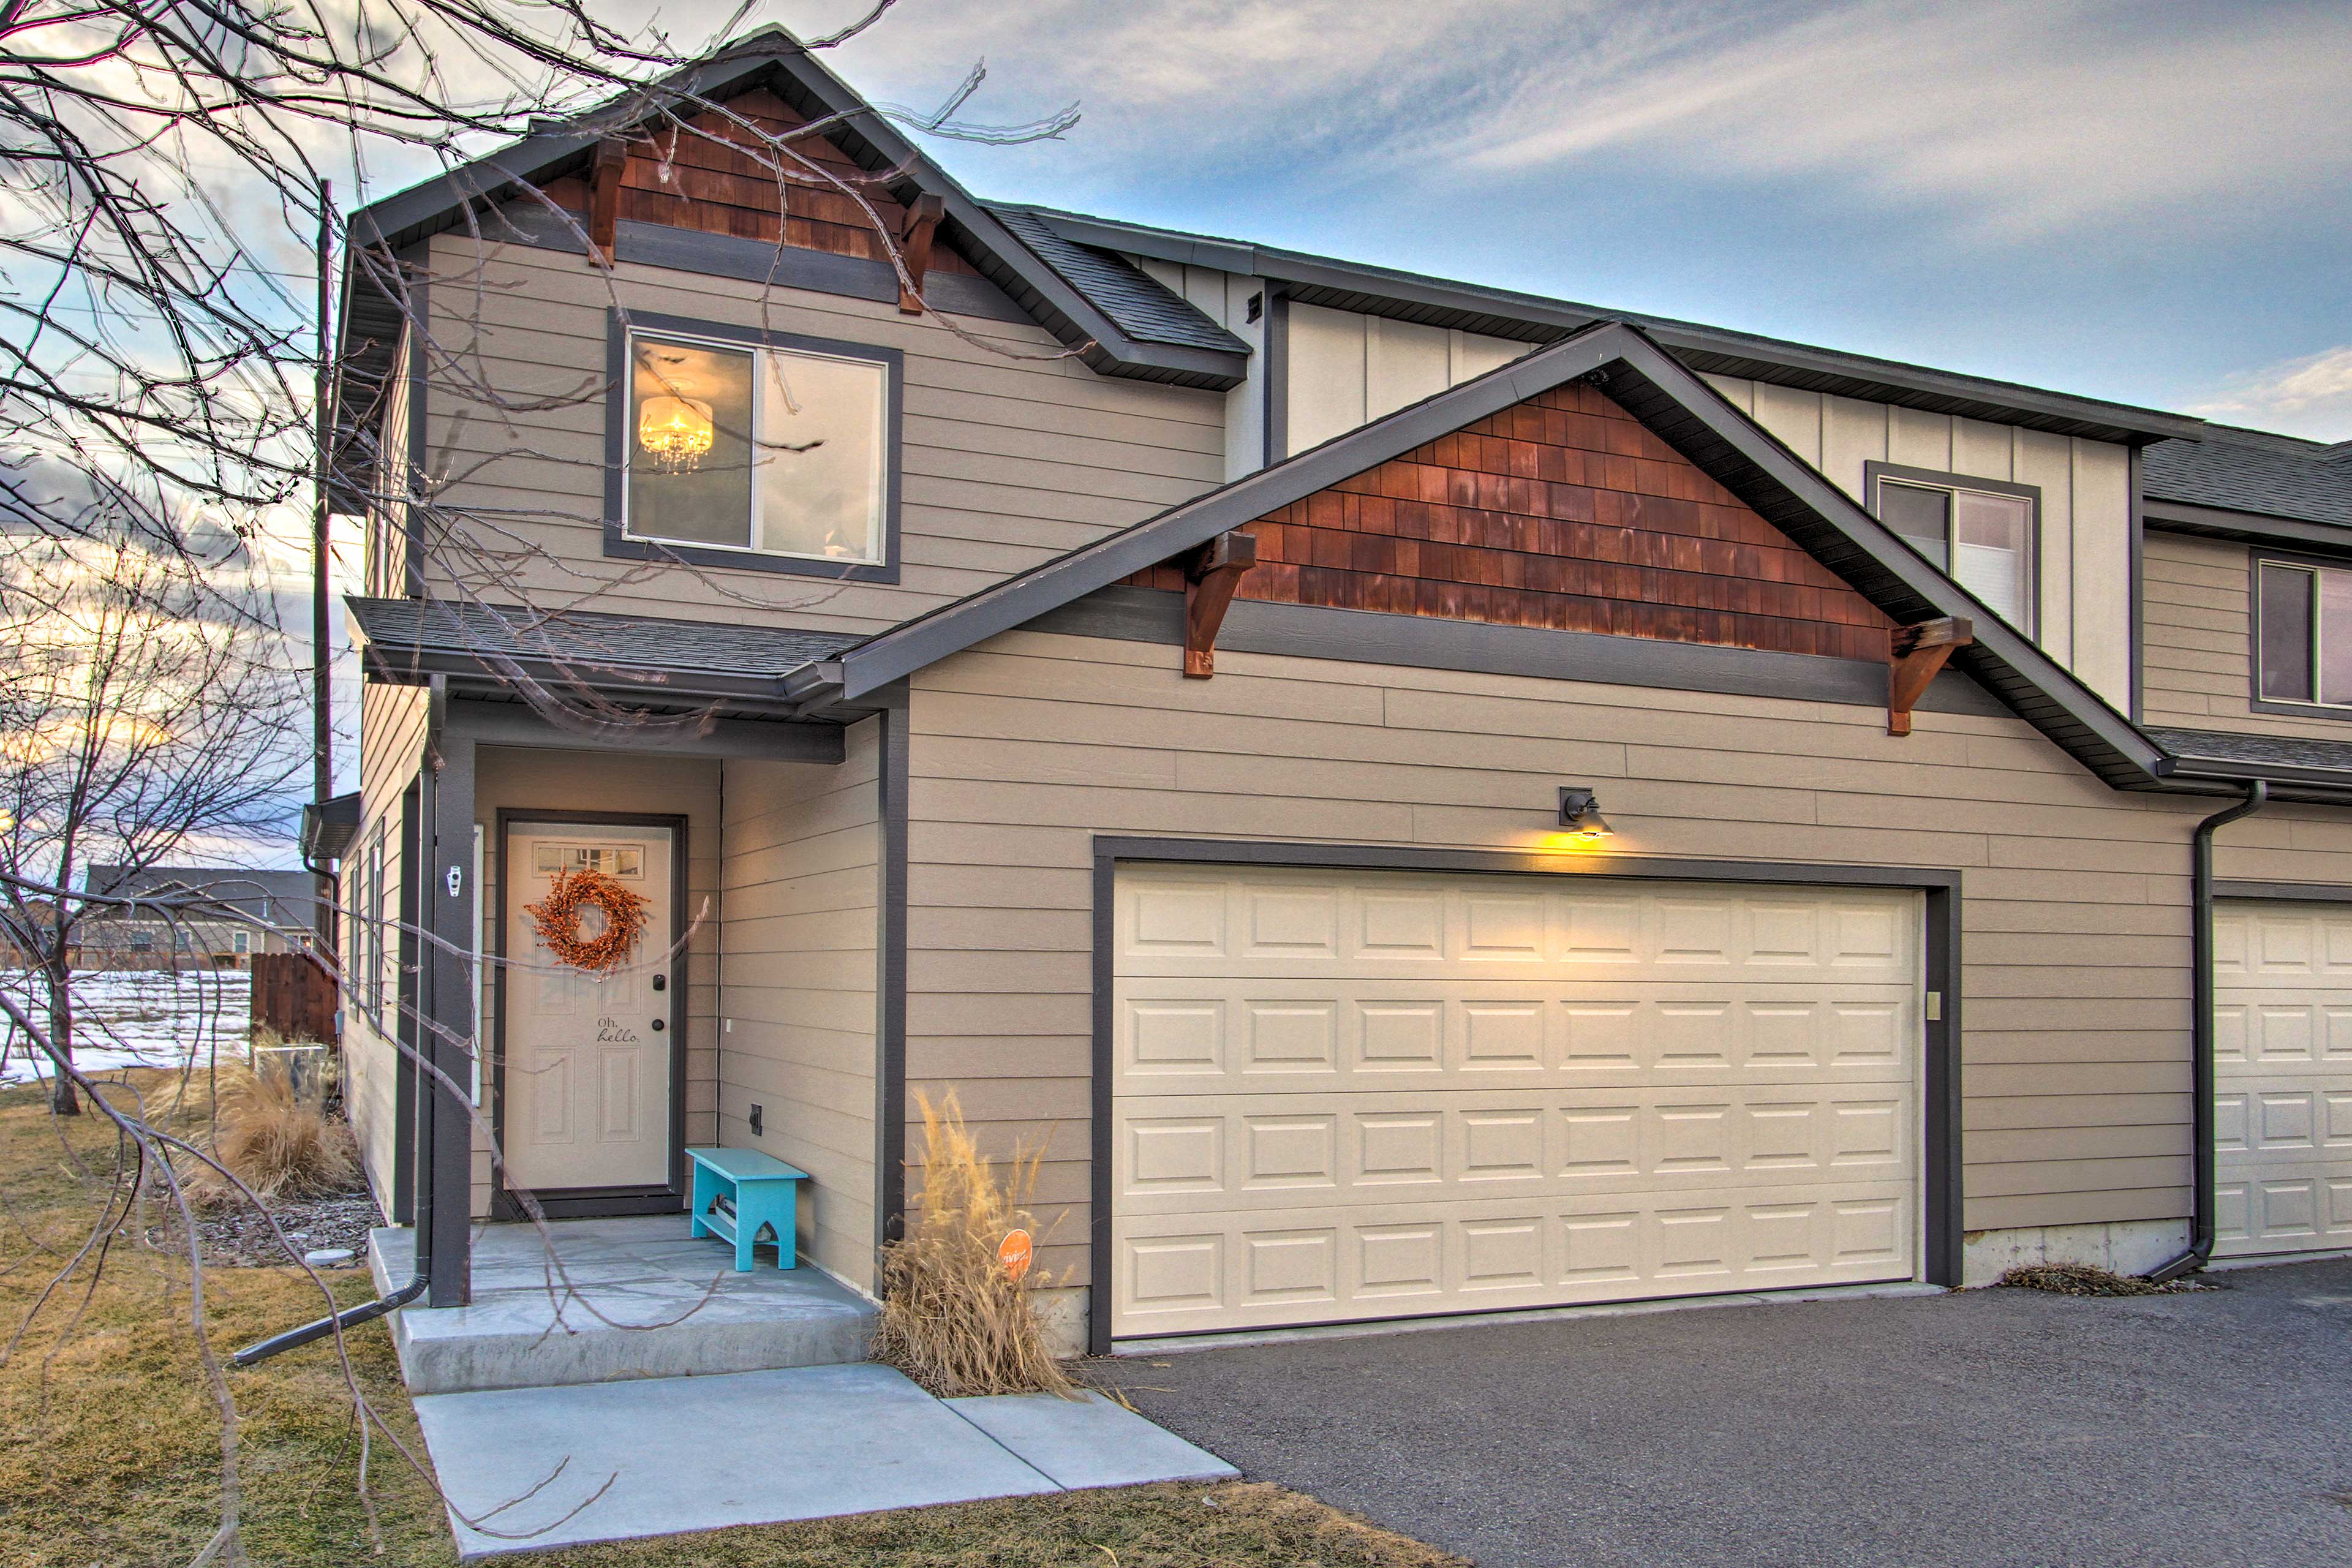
2075	915
2197	670
1013	452
556	783
2085	565
392	728
1346	368
1224	297
801	884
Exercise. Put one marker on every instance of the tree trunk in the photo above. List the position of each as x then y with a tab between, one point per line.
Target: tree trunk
63	1099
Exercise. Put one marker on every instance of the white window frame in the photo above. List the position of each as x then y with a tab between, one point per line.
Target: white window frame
1877	476
758	351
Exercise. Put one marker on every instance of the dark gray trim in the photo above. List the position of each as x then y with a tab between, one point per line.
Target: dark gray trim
890	1032
514	724
1276	371
580	1203
1872	471
1675	404
1428	642
2135	544
2284	892
2252	528
446	1120
1940	1087
619	544
1531	317
796	267
2256	558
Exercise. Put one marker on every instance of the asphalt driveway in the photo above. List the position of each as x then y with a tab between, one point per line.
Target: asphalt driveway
1987	1429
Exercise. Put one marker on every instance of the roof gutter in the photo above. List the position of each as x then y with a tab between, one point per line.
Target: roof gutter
2202	1029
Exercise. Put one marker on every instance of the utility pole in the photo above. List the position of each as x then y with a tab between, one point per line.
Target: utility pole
323	664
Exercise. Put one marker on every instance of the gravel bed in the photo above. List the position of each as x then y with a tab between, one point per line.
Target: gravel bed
240	1237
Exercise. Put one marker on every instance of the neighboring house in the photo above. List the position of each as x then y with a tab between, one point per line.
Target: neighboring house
221	916
1323	1006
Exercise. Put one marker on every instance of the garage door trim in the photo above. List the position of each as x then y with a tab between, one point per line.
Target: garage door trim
1939	1083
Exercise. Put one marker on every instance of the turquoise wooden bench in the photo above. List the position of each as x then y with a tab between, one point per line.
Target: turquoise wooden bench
762	1190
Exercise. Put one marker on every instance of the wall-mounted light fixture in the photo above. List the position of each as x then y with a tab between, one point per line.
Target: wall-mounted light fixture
1580	813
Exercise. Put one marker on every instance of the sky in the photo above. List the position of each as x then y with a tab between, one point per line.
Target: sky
2144	202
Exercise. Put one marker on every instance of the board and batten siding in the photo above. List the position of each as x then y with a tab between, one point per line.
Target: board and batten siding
2197	648
1224	297
392	727
800	886
556	784
2075	911
1347	369
1013	452
2086	547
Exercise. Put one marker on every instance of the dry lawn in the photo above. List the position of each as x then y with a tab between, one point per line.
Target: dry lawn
109	1445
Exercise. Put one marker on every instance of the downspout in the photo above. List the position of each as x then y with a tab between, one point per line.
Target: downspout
2200	1027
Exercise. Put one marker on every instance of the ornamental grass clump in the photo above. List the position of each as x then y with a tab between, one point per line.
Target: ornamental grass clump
954	1317
279	1144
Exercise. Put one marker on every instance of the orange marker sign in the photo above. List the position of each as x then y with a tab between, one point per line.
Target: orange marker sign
1015	1252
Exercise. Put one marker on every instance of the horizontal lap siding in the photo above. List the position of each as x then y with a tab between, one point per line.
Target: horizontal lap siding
2075	918
554	782
801	886
2198	653
1012	452
392	727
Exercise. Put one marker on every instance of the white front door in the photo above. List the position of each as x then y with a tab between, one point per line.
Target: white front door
1358	1095
587	1080
2283	1077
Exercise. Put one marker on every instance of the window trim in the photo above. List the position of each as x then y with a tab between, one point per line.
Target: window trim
2287	708
1874	472
620	545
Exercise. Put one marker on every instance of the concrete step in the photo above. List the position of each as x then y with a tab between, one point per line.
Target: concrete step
602	1300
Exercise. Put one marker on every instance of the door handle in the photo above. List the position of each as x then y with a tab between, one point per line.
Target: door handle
659	1025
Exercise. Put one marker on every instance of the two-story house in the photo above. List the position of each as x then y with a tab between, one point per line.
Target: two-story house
1427	799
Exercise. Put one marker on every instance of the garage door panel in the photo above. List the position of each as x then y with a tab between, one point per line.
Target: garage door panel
1210	1153
1318	1265
1183	1035
1303	924
1357	1095
2282	1061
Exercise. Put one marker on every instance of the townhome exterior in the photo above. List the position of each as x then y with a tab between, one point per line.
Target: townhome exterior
1154	714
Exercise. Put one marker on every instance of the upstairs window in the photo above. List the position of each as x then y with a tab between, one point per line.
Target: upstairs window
1982	534
2302	634
745	447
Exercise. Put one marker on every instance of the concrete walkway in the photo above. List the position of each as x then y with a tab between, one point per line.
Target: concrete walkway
527	1469
1987	1429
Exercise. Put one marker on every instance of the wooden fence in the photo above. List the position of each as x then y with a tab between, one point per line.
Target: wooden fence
294	994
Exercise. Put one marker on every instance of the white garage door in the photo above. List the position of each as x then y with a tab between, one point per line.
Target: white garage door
2283	1077
1353	1095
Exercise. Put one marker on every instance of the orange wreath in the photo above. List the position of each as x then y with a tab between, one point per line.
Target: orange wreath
556	919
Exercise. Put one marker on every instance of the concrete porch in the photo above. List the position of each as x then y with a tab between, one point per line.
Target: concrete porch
612	1299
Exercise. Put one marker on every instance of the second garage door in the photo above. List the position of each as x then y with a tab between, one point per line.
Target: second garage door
1355	1095
2283	1071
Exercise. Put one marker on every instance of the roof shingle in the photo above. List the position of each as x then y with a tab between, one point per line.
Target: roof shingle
2252	470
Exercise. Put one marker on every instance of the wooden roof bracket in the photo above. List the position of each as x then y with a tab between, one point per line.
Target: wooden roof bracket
1916	657
923	217
605	195
1211	576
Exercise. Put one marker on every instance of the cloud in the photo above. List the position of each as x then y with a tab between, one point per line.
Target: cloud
2308	396
2023	120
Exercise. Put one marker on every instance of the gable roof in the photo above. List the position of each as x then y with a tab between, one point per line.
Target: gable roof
283	899
1534	317
2254	471
1657	389
770	57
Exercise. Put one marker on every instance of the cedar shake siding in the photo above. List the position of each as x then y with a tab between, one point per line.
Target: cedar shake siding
1561	513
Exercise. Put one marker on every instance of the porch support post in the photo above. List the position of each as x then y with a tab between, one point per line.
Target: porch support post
446	895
